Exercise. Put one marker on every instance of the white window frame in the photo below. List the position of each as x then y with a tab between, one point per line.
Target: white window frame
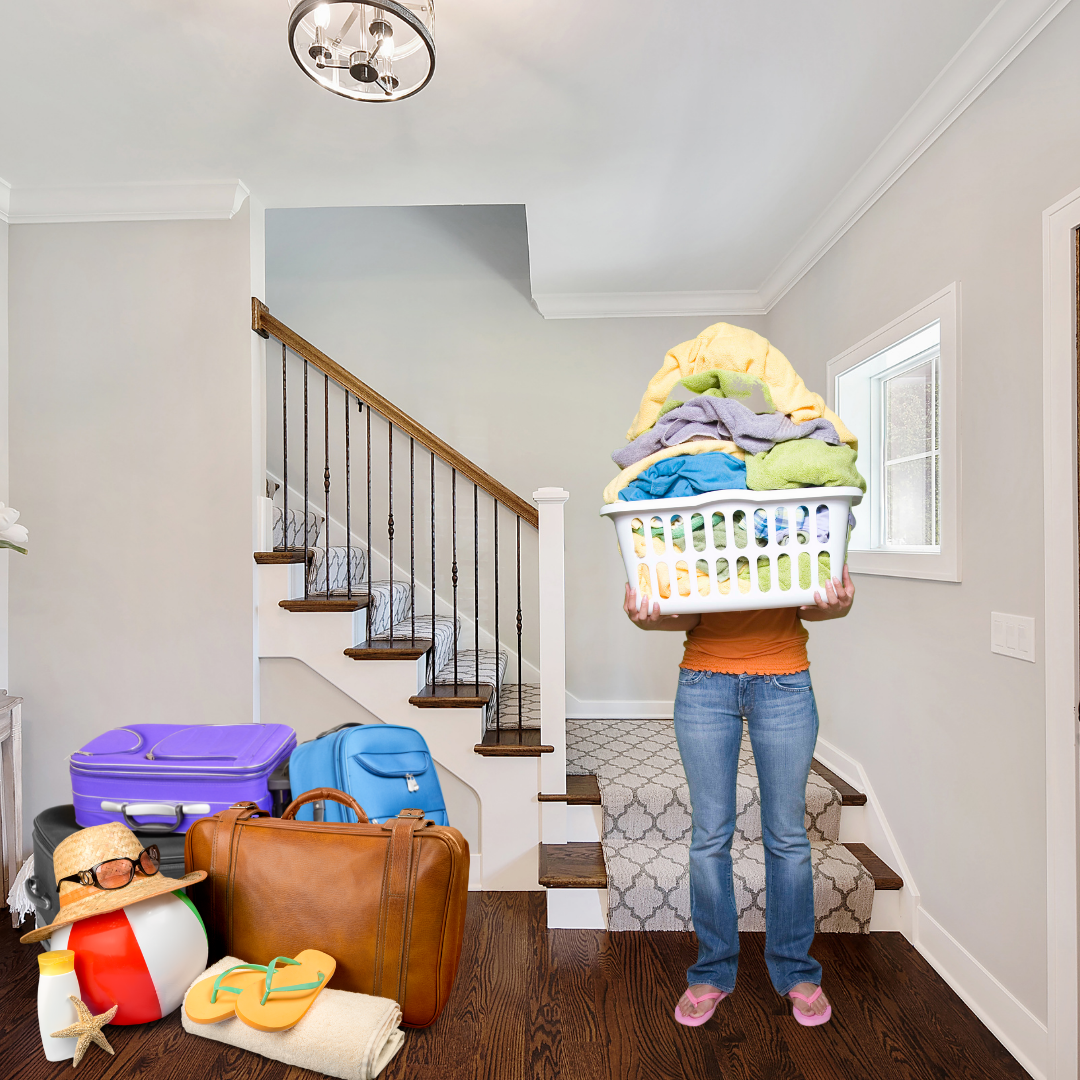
942	563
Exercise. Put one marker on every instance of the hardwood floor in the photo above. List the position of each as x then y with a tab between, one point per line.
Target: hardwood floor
533	1004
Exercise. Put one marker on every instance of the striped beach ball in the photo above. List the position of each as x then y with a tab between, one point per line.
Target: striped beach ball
142	957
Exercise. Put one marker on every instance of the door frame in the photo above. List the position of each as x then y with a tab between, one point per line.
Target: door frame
1062	633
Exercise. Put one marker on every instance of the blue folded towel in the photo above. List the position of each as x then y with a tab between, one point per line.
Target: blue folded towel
677	477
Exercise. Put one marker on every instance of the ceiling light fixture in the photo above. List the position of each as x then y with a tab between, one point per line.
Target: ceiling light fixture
380	51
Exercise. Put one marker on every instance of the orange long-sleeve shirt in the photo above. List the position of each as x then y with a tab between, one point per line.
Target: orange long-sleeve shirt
769	642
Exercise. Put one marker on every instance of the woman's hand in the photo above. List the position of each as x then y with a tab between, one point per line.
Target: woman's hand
640	615
839	596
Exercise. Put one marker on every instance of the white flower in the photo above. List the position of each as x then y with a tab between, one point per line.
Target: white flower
9	531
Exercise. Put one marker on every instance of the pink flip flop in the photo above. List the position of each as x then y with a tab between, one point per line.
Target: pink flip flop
805	1019
697	1021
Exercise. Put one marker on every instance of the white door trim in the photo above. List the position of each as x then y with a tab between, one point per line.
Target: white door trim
1061	632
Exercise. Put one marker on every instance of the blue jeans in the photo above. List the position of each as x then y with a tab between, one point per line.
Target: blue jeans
783	722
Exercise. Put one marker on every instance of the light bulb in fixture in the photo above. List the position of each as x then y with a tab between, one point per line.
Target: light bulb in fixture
321	16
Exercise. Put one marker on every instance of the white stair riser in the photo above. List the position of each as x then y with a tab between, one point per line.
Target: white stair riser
584	824
505	788
577	909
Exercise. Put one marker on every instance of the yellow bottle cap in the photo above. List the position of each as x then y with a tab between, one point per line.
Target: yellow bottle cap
57	962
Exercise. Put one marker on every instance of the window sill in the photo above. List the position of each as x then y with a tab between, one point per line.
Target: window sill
932	566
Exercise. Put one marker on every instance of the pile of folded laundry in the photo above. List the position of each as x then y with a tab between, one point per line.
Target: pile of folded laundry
728	411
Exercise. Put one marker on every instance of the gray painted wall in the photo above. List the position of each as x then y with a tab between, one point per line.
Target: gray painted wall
951	735
430	306
131	463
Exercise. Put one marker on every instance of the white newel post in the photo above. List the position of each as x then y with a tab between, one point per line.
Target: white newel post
552	659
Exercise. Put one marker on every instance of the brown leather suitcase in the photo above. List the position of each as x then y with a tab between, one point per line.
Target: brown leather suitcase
386	901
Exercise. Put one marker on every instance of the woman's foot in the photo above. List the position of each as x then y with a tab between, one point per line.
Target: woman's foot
811	1006
698	1004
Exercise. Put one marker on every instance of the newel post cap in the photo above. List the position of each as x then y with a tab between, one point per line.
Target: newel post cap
550	495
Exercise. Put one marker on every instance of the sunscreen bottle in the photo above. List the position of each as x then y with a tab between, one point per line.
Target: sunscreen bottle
56	981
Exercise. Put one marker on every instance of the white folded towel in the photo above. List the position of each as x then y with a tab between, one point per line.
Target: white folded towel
351	1036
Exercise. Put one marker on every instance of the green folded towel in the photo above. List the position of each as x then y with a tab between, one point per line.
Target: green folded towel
751	391
803	463
783	572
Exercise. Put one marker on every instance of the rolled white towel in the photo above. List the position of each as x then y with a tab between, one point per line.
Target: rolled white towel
351	1036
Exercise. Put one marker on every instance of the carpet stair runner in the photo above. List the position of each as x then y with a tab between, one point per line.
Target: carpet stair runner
647	824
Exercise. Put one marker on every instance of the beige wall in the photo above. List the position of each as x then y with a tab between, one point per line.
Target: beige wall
951	735
131	463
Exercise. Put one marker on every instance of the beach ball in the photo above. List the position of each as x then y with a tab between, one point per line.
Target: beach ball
142	957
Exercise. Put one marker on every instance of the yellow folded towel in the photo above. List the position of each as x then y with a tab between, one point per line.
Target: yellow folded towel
351	1036
699	446
733	348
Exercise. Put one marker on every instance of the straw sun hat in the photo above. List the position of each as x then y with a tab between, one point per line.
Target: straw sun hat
87	848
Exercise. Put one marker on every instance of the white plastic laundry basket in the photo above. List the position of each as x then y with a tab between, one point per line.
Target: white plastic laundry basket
745	549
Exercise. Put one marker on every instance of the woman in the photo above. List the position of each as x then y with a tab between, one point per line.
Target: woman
749	665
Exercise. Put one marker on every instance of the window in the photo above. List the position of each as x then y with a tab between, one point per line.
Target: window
897	392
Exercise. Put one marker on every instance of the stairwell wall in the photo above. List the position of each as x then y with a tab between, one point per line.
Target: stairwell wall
131	437
431	307
952	736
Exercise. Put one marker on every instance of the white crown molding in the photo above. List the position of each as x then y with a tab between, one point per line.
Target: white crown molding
999	40
1001	37
5	199
124	202
639	305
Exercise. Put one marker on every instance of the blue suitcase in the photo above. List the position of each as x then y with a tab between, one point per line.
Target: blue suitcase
384	767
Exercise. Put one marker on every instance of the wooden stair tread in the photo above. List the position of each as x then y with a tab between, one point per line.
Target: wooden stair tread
448	696
572	866
580	791
320	603
885	877
272	558
525	743
849	796
398	649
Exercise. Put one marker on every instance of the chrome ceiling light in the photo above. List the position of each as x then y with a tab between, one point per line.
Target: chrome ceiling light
380	51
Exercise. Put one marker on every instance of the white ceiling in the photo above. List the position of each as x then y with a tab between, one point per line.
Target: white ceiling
659	148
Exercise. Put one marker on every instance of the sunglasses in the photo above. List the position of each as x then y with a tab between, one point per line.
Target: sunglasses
116	873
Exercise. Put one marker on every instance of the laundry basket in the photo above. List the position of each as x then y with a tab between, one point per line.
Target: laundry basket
734	550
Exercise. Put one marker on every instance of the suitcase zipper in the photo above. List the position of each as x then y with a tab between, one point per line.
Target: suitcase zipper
410	782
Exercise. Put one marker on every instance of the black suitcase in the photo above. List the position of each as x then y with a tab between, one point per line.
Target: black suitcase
53	825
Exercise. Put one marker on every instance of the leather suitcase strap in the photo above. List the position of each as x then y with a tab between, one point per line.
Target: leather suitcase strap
396	910
222	858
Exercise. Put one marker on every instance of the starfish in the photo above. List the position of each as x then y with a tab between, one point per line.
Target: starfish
87	1030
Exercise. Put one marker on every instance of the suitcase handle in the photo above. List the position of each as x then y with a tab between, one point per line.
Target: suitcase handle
128	810
320	795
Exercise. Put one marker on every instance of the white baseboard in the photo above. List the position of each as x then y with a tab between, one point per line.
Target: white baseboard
579	709
476	872
875	830
1012	1023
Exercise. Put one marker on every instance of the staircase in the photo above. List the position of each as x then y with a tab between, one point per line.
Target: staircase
627	868
422	588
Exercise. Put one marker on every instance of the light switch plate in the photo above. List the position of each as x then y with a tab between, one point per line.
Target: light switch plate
1012	635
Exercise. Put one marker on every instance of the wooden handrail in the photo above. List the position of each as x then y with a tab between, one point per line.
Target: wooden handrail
265	325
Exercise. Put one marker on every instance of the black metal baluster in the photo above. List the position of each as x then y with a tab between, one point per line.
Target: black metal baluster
412	539
431	660
305	480
476	591
498	686
390	522
348	505
367	416
285	448
453	565
326	476
519	624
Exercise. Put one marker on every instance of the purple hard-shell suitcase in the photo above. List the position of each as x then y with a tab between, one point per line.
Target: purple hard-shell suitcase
163	777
